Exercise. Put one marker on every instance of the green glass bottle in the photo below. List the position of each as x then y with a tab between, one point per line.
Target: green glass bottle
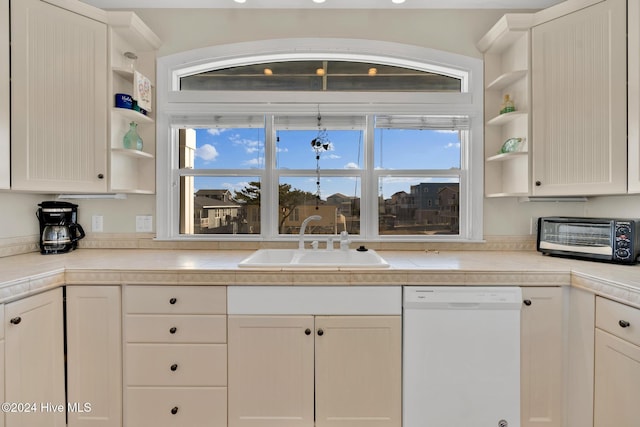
132	140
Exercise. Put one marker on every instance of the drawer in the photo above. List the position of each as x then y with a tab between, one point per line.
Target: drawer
176	365
149	328
193	407
611	316
175	300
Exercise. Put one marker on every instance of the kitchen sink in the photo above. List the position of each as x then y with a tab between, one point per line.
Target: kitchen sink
314	258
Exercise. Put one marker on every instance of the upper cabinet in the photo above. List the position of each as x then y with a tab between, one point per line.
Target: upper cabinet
506	74
579	102
132	59
5	150
58	98
633	87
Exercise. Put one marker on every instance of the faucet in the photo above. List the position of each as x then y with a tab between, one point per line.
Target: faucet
304	227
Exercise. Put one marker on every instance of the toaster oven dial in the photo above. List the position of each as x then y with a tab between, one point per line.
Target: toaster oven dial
623	253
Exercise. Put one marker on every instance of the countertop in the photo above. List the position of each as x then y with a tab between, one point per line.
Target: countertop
30	273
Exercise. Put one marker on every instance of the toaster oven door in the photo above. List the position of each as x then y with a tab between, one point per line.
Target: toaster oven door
576	236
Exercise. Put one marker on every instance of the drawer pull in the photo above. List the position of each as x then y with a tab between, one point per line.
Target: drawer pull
173	330
174	410
320	332
527	302
624	324
307	331
174	367
173	301
16	320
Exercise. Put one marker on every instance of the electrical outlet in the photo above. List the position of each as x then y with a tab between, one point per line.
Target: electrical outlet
97	223
144	223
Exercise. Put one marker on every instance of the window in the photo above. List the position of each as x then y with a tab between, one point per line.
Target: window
369	158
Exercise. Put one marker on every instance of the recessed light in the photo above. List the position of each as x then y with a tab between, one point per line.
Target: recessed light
319	1
397	1
240	1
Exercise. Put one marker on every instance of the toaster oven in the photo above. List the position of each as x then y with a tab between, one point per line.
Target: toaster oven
604	239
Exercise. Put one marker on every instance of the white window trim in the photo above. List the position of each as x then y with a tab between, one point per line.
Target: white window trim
176	107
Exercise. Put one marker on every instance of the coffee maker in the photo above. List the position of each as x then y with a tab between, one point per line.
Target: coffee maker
59	231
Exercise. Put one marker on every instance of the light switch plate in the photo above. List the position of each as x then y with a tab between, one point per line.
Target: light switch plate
97	223
144	223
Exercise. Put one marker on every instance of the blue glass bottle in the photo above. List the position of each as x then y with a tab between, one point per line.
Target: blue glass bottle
132	140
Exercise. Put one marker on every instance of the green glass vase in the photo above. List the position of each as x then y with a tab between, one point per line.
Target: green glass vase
132	140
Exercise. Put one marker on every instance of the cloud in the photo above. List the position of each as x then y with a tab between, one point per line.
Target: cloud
207	152
258	161
351	165
446	131
216	131
452	145
331	156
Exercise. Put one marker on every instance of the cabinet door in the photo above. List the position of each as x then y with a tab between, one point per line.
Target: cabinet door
617	382
633	73
94	355
541	357
358	371
5	177
579	102
270	381
34	360
58	99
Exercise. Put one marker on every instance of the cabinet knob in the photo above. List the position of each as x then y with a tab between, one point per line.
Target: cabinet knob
624	324
527	302
173	300
320	332
174	410
174	367
538	183
307	331
100	176
16	320
173	330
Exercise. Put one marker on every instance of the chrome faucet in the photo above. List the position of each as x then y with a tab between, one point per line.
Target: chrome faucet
303	227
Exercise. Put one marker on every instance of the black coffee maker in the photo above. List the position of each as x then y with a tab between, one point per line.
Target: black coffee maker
59	232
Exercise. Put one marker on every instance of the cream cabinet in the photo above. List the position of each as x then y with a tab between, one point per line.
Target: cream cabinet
5	104
34	360
58	97
345	370
2	399
617	365
579	102
633	87
541	357
132	171
175	356
506	72
94	356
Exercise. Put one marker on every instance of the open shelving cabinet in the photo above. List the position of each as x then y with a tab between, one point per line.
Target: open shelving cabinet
506	48
132	171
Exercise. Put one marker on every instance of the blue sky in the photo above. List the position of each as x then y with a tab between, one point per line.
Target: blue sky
240	148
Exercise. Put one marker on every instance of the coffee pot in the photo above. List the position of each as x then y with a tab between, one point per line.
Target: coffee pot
59	231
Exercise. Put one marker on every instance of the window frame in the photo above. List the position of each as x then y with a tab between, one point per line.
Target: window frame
187	108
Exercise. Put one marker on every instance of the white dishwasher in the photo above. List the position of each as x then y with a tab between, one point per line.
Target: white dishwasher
461	356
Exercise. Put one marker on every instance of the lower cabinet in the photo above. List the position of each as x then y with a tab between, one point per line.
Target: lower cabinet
338	371
34	361
175	356
617	365
94	356
542	357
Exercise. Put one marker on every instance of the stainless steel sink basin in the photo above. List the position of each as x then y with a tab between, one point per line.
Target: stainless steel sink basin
308	258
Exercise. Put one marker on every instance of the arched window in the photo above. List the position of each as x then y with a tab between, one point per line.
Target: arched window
296	127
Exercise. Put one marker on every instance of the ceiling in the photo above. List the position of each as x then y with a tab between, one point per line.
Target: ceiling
328	4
